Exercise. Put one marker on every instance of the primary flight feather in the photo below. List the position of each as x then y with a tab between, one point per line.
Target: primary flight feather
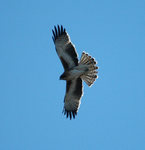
74	71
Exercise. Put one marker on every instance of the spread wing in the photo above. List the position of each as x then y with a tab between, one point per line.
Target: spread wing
64	48
74	91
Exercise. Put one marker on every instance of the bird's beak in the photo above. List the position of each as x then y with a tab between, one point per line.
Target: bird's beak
61	77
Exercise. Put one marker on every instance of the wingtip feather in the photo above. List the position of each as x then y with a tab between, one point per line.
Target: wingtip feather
70	114
58	31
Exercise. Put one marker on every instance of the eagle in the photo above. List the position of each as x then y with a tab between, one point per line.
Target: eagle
75	71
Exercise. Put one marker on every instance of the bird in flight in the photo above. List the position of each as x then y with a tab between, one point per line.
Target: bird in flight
74	70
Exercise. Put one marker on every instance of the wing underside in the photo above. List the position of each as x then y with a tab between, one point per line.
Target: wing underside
64	47
74	91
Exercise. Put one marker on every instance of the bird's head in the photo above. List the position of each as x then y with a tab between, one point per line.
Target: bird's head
63	76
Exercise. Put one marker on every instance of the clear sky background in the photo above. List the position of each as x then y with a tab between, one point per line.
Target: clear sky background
112	112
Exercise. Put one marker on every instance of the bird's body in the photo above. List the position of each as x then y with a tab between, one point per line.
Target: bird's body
74	71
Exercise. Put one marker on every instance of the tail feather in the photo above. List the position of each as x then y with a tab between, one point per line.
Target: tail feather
88	82
86	59
90	76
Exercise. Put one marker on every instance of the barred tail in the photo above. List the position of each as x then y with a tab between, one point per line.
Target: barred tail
90	76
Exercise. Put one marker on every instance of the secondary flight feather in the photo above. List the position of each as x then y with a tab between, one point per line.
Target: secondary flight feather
74	70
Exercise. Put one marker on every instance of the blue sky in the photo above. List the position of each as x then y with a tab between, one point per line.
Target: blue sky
112	112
